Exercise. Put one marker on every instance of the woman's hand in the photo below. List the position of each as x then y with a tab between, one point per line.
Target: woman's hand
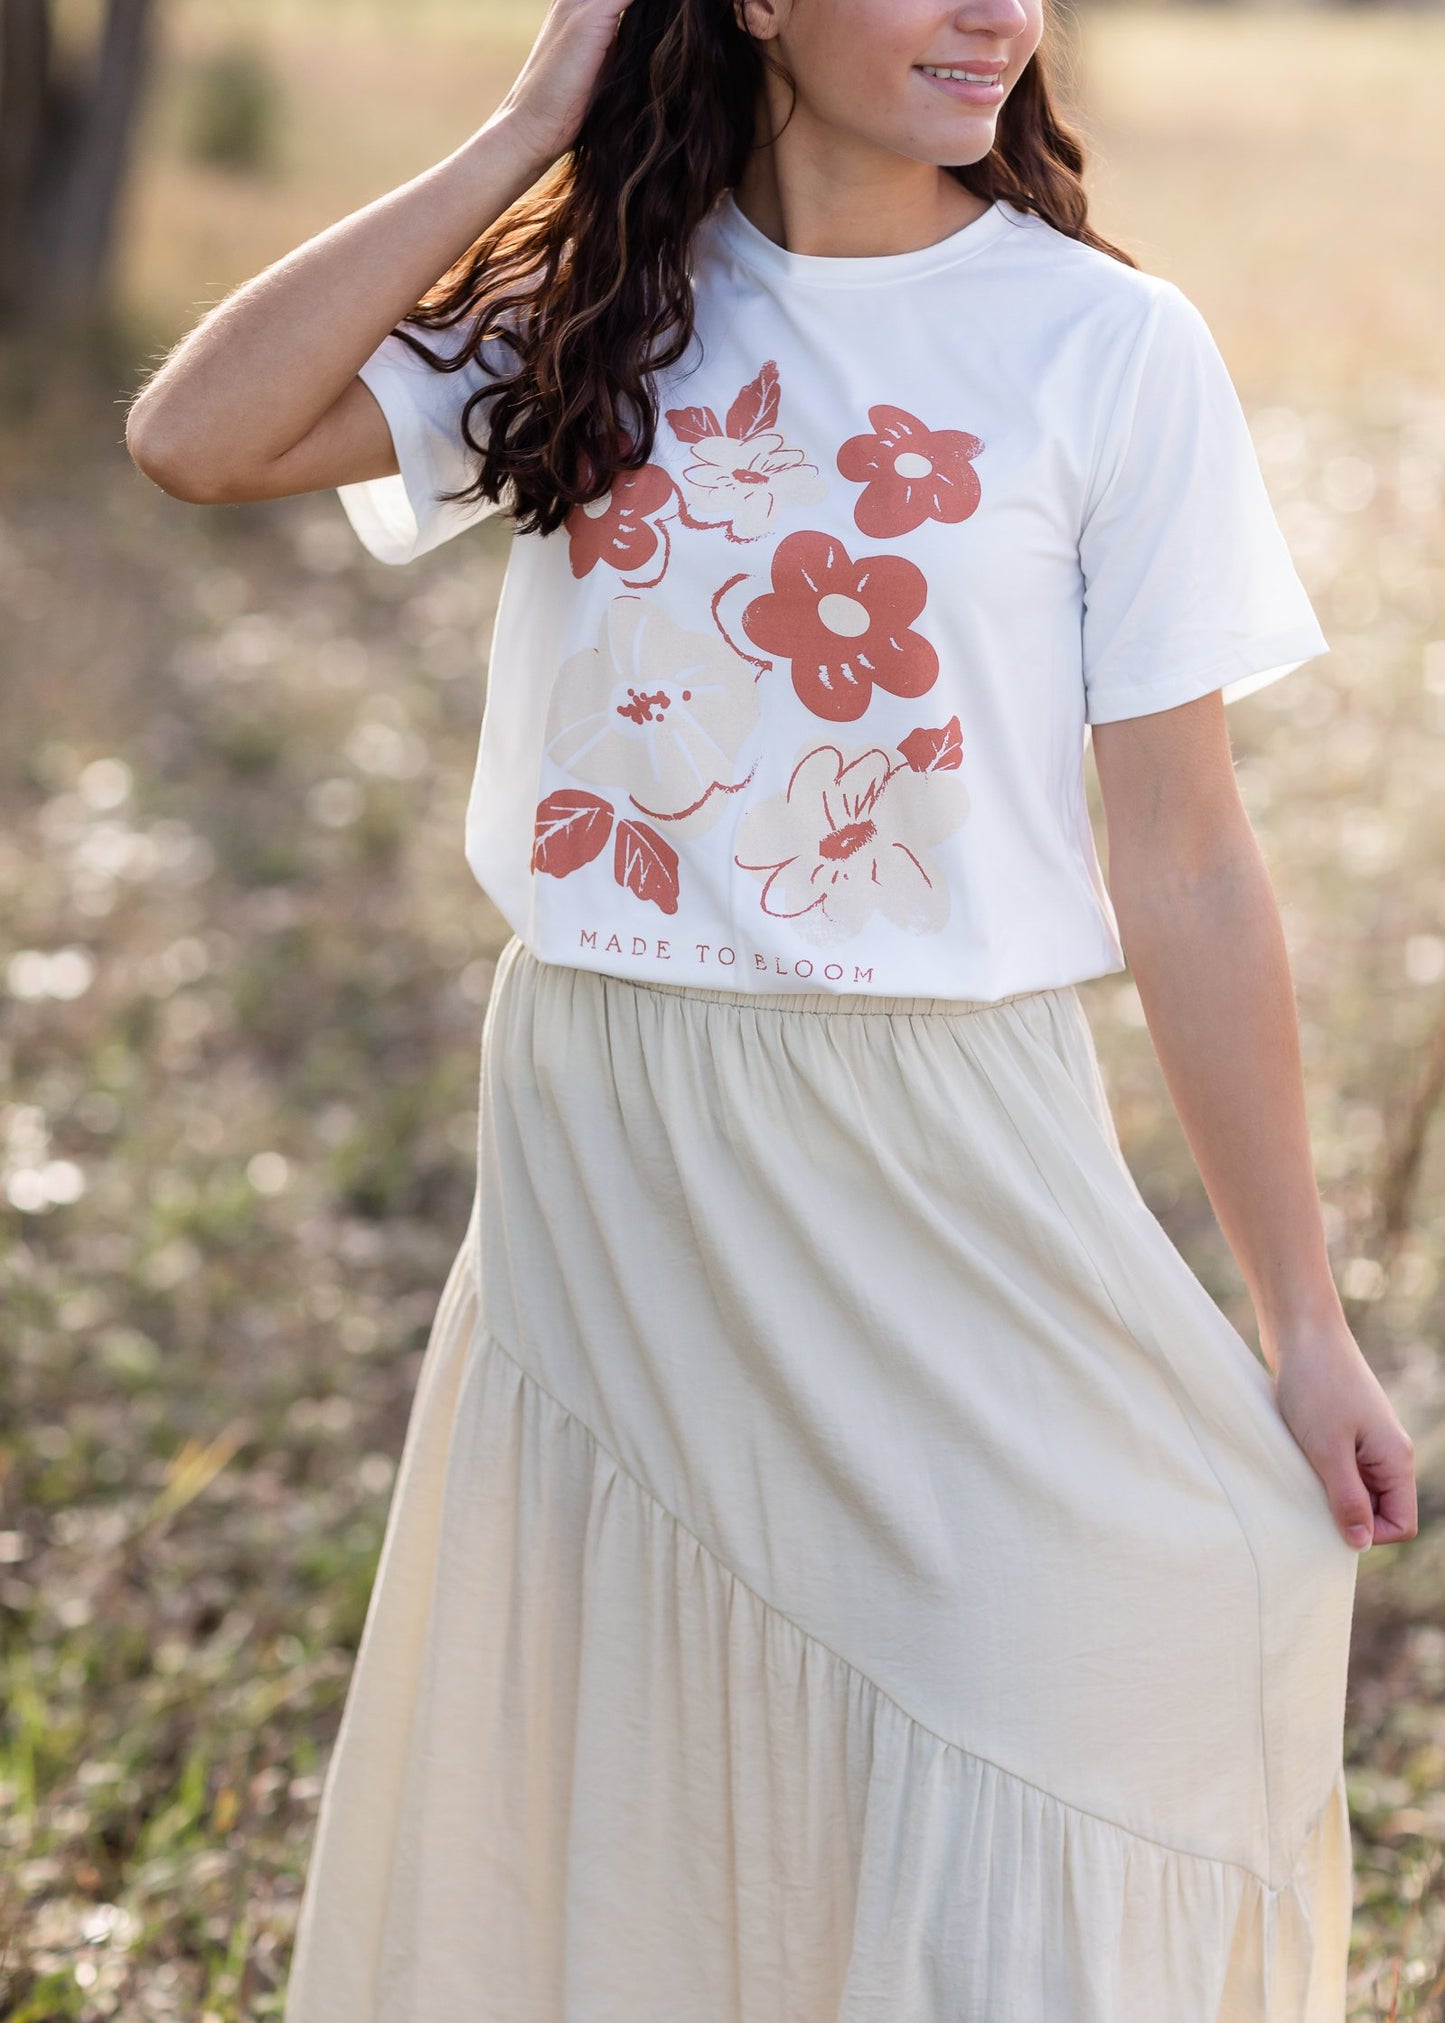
554	86
1338	1411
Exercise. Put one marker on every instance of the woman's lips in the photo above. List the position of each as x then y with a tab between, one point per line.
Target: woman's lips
969	94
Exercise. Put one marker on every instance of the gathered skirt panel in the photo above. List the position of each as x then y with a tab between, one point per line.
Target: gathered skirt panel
843	1568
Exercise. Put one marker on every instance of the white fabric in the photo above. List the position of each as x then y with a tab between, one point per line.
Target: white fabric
844	1568
804	702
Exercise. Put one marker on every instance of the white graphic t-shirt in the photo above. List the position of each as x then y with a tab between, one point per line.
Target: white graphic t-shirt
802	703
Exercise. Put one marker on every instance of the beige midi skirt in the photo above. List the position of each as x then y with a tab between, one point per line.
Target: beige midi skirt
843	1567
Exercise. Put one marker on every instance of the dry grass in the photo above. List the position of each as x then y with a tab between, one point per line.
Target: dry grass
1288	171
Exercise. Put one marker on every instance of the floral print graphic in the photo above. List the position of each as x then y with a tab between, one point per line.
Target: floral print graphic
657	711
934	751
658	728
646	864
909	473
844	625
617	528
851	835
742	470
572	829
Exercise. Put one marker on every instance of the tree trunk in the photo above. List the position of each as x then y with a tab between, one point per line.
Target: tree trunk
64	151
24	97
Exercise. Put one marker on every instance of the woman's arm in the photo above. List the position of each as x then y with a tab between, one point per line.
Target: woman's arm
1202	935
262	400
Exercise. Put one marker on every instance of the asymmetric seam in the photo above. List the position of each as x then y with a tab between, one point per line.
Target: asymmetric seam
845	1664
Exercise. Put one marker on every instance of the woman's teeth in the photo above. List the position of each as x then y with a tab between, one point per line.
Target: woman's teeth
969	76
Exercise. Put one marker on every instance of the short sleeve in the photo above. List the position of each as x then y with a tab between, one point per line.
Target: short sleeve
1189	584
400	517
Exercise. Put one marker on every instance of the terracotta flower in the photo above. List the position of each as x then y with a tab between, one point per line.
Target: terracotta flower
658	712
617	528
909	473
845	626
850	837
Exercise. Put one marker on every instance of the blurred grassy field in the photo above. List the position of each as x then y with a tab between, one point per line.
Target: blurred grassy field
244	967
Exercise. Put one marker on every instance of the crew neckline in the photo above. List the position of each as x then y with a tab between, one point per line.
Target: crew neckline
755	249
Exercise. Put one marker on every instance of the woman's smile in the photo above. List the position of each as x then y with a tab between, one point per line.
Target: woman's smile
970	85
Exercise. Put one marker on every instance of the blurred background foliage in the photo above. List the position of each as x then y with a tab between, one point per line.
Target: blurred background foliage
243	966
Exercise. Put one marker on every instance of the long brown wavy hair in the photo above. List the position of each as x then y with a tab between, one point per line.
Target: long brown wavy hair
584	279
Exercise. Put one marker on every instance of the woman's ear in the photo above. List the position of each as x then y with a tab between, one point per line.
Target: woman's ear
760	19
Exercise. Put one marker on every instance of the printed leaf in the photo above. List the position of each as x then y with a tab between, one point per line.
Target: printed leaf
690	424
571	830
646	863
756	407
934	751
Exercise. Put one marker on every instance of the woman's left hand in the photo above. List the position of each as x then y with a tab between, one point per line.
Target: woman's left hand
1338	1411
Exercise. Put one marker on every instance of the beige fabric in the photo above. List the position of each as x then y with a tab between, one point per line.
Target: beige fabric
844	1568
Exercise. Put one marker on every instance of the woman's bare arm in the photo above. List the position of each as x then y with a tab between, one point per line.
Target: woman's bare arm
1204	942
261	399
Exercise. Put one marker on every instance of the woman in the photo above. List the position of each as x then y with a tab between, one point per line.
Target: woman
843	1566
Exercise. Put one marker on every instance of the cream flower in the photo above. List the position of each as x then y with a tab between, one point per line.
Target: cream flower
655	710
741	484
849	838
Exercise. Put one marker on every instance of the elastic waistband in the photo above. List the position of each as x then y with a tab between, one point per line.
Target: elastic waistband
865	1003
